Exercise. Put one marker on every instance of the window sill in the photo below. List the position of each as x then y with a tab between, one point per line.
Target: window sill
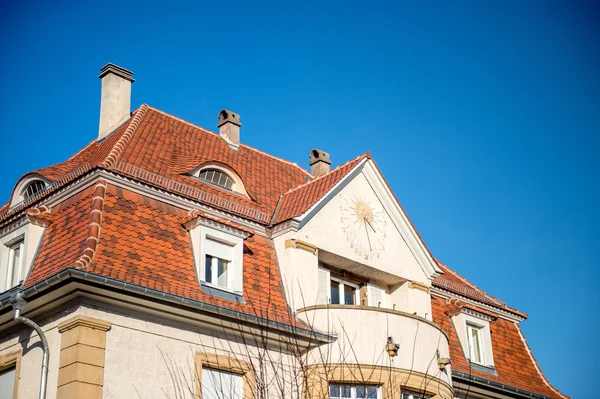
221	292
484	369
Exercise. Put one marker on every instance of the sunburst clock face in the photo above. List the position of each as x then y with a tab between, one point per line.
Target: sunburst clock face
363	224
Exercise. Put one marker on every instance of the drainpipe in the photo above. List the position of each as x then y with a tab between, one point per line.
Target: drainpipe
18	302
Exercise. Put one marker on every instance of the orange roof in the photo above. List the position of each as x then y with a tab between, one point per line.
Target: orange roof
143	241
513	362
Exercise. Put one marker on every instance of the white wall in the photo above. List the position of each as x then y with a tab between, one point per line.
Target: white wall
328	232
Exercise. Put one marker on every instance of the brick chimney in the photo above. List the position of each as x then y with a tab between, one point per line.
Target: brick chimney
229	127
115	104
319	162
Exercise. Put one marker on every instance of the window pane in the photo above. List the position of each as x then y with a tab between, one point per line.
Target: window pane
335	292
208	269
349	295
361	392
216	177
334	391
345	391
372	392
222	273
15	252
217	384
476	345
7	382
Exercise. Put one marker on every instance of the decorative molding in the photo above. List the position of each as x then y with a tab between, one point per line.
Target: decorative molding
479	315
82	354
418	286
84	321
229	364
227	226
500	312
94	225
374	309
299	244
389	378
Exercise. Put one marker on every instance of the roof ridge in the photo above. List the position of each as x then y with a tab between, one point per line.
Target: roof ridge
117	149
91	242
365	155
241	144
536	365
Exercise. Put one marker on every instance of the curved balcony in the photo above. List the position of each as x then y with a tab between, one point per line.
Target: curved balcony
363	332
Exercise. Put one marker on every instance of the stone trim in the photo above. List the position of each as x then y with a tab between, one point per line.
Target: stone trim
84	321
418	286
9	360
392	380
225	363
374	309
294	243
82	352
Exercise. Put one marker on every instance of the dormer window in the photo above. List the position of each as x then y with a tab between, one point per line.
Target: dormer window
28	188
32	188
473	328
216	177
219	175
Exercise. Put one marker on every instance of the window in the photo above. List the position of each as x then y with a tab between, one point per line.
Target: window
413	395
218	256
343	293
335	291
16	255
474	337
217	384
32	189
339	391
217	178
7	382
216	271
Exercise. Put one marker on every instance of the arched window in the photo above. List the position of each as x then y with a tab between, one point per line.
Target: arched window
32	189
216	177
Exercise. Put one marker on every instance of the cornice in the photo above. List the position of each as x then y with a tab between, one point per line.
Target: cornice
503	313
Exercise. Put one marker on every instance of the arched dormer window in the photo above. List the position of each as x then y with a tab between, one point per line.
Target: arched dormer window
28	188
219	175
32	189
216	177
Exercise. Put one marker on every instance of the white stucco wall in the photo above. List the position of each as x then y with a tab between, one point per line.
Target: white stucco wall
25	340
362	337
328	230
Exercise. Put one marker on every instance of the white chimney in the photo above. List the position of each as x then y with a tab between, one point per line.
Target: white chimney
229	128
319	162
115	104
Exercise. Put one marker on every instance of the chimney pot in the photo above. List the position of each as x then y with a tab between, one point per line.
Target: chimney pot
229	127
319	162
115	103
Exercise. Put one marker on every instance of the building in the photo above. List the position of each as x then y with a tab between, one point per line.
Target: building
166	261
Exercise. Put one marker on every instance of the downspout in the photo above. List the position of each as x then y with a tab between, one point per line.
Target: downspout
18	302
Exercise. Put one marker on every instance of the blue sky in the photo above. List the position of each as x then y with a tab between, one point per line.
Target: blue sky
483	116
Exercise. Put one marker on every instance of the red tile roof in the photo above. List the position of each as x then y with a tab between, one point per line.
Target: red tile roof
513	362
119	234
299	199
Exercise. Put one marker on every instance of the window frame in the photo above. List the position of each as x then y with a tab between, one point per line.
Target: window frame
413	395
353	387
479	329
342	284
12	360
203	237
222	173
13	269
237	187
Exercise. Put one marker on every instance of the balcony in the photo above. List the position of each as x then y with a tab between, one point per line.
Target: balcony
363	332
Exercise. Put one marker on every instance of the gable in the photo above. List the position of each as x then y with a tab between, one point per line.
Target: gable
360	219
